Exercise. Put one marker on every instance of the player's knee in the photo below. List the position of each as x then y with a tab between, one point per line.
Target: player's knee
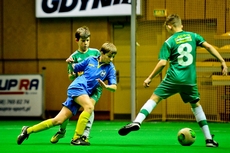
89	107
195	103
155	98
57	121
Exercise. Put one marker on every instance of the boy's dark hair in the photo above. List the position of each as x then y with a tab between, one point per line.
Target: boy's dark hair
82	32
108	47
173	20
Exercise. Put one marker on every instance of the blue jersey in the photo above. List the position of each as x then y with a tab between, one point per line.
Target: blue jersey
93	70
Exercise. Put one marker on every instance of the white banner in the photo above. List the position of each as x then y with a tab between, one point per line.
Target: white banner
21	95
84	8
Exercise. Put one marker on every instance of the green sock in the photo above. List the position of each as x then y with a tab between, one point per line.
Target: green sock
64	125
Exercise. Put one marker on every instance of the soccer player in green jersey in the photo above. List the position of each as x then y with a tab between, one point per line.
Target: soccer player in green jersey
82	38
180	50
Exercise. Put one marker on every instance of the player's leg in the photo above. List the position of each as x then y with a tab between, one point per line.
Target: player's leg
60	133
144	112
88	106
191	94
74	107
64	114
62	130
95	98
202	121
84	139
161	92
89	126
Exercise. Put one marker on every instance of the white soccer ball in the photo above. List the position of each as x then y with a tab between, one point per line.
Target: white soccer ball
186	137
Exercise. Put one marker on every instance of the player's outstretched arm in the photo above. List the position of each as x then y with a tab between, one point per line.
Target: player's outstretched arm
217	55
112	87
69	59
158	68
71	74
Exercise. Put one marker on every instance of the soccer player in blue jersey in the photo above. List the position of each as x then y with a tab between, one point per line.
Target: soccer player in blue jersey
180	50
96	71
82	38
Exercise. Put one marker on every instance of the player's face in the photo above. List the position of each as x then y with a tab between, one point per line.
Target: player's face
83	44
108	57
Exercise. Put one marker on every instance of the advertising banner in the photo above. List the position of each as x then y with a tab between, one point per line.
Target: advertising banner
21	95
84	8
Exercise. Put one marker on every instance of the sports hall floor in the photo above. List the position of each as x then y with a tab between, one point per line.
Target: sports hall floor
153	137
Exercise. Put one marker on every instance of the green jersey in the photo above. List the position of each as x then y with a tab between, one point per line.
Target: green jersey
79	56
180	50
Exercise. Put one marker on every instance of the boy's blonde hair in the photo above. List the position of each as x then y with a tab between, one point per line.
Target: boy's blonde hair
108	47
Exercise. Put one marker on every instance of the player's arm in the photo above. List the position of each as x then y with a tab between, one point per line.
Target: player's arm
111	78
112	87
79	67
158	68
71	74
217	55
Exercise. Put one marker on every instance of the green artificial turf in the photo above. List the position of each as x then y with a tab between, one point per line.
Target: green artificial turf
159	137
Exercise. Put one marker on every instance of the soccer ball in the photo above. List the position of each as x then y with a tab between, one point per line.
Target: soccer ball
186	137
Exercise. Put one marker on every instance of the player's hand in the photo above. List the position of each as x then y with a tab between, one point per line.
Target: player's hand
72	76
224	69
69	60
102	84
147	82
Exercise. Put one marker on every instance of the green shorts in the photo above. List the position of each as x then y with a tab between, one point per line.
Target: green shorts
96	95
188	93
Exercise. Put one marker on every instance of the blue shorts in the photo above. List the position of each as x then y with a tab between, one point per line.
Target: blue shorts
78	91
72	93
71	105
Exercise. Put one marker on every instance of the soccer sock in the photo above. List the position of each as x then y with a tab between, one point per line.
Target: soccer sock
64	125
202	121
40	126
81	124
145	111
89	125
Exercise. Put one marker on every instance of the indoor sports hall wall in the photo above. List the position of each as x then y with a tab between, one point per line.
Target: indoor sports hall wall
29	44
